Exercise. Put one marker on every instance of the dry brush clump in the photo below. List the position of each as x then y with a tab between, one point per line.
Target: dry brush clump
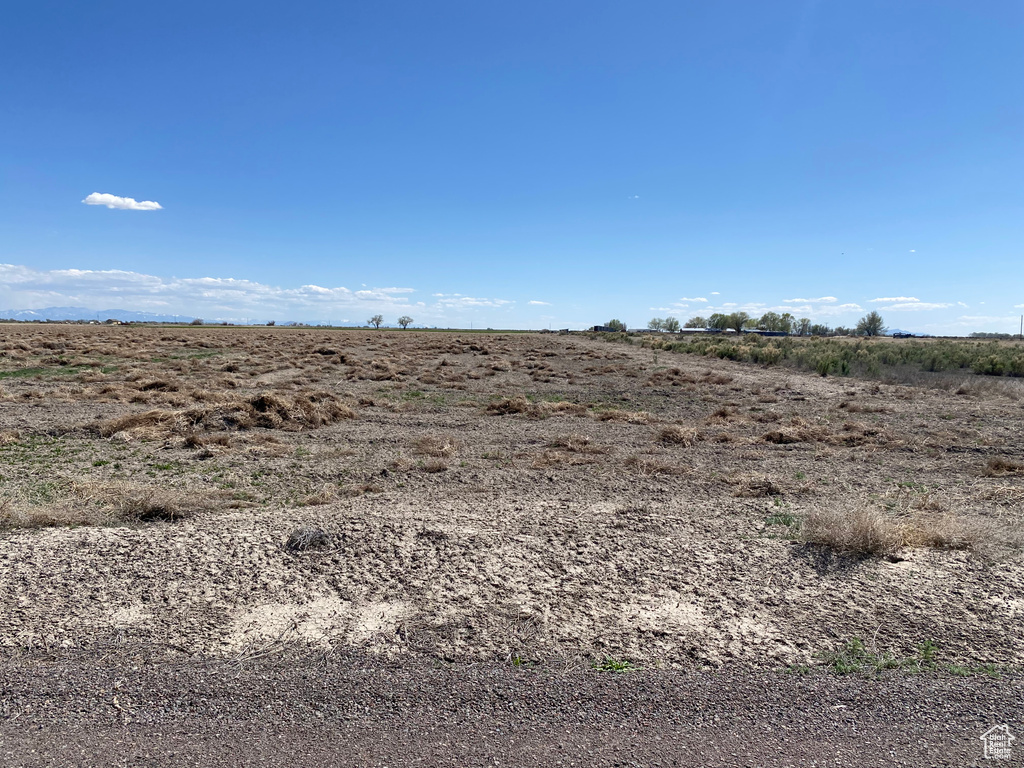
307	410
1000	466
520	404
443	446
90	503
863	530
676	434
617	414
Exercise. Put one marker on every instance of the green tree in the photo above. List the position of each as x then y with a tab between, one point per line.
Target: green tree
871	325
718	321
738	321
786	322
803	326
697	322
405	321
770	321
671	325
656	324
375	321
616	325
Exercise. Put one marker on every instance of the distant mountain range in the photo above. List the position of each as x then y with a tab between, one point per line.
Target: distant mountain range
81	313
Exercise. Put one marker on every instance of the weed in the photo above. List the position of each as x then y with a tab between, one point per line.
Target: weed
618	666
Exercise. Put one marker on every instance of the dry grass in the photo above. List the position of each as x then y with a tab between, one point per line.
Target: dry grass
436	446
676	434
510	405
9	436
88	503
631	417
866	531
754	485
1000	466
853	531
306	410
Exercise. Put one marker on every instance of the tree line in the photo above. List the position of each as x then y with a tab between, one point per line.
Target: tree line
869	325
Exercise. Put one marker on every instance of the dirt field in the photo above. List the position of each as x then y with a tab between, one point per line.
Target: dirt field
488	497
520	499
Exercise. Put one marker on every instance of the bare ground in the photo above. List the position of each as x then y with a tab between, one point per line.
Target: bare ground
495	499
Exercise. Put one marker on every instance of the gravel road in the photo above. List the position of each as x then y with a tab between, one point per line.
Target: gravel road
316	710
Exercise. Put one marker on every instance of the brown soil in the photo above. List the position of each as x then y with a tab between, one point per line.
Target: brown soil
489	498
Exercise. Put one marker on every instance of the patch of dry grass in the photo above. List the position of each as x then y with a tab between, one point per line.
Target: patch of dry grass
617	414
676	434
305	410
866	531
1000	466
853	531
443	446
90	503
510	405
754	485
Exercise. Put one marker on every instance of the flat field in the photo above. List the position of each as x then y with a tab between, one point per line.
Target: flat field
513	498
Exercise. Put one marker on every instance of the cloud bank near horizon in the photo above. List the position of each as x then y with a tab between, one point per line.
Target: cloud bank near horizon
122	203
221	298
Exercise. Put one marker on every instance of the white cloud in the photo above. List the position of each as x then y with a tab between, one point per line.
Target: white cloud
714	293
207	297
123	203
912	250
458	301
697	299
961	304
896	298
810	301
911	306
541	303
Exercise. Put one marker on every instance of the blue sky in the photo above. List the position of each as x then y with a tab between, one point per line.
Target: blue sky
518	164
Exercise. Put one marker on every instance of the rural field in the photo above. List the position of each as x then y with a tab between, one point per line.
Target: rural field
186	503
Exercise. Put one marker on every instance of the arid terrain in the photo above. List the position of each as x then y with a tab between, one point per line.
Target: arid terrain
195	496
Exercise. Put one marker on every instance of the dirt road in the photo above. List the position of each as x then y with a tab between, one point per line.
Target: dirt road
327	711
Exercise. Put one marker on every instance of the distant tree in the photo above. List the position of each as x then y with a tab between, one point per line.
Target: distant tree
671	325
803	326
842	331
820	329
405	321
769	321
738	321
871	325
616	325
197	321
656	324
272	322
696	322
375	321
718	322
786	322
